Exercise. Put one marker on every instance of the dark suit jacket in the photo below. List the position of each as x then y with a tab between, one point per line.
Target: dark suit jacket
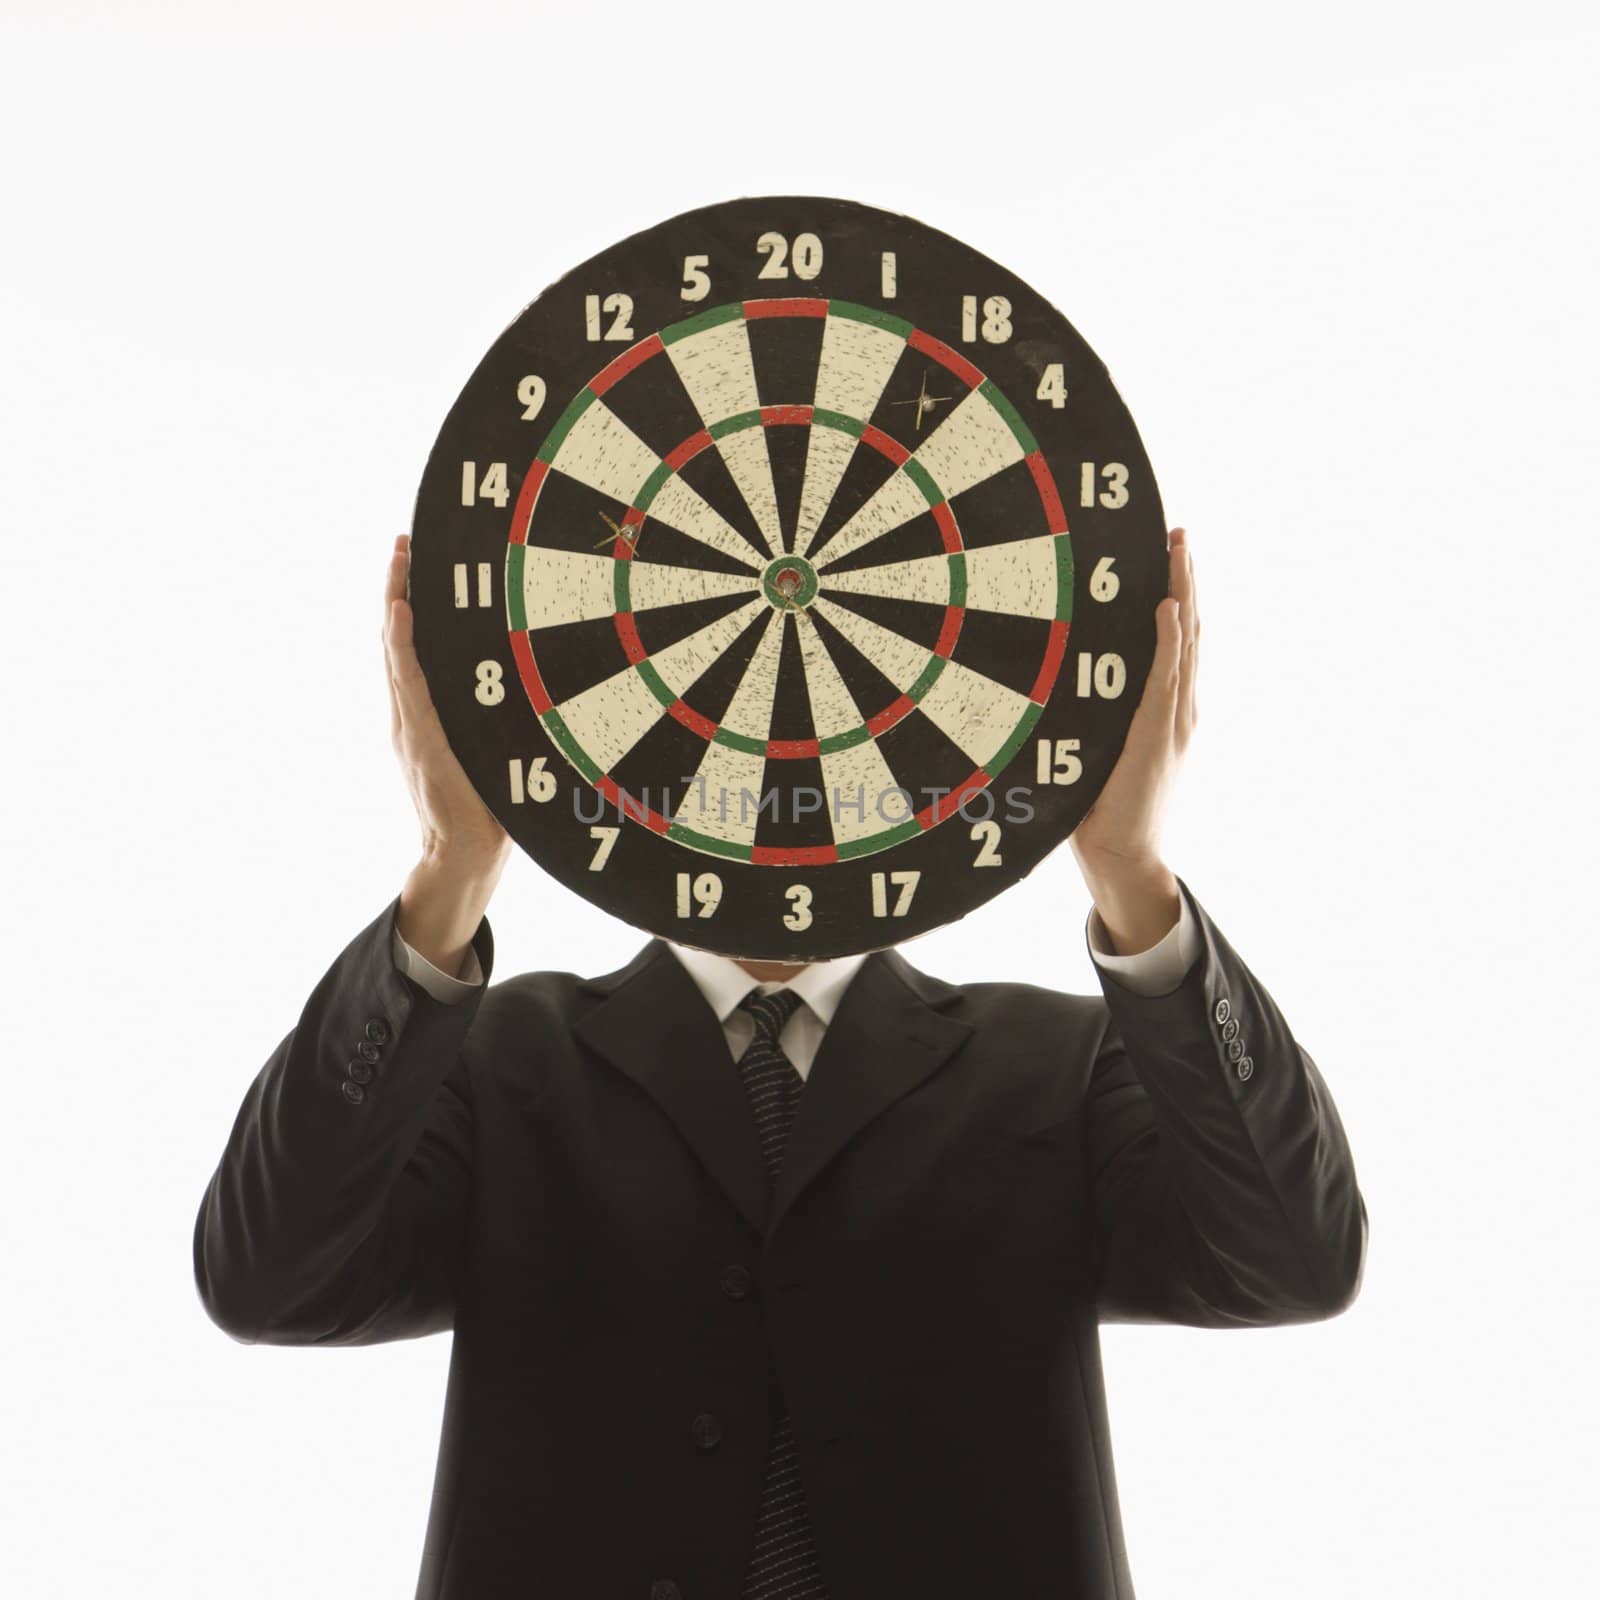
565	1172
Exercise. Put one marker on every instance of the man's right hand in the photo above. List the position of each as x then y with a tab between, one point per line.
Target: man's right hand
464	847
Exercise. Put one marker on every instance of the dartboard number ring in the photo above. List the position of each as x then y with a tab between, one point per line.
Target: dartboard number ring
785	578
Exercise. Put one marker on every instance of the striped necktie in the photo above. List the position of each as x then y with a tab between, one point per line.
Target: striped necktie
783	1561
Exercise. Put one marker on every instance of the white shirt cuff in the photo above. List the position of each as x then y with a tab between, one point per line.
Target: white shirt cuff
1161	968
437	983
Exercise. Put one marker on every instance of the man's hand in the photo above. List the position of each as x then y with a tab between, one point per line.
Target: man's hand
1118	844
455	822
464	848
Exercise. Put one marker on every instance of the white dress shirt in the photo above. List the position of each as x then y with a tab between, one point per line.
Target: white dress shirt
724	983
821	984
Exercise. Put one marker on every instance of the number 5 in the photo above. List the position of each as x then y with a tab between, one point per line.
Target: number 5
696	282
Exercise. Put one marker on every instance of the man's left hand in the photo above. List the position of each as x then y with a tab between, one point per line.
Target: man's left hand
1118	844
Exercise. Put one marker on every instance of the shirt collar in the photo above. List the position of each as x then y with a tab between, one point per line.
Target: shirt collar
725	983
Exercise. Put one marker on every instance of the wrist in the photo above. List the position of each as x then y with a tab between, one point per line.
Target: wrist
1139	903
443	901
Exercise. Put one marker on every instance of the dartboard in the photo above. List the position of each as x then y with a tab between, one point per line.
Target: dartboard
785	577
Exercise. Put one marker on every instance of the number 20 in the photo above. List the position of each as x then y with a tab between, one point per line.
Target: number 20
807	257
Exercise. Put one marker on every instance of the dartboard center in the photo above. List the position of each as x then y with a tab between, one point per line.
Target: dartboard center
790	582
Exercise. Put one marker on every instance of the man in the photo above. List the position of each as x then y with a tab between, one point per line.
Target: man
777	1282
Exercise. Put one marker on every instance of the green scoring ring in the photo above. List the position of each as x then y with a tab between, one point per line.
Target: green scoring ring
669	695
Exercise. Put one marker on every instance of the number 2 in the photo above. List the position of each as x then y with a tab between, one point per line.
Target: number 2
988	833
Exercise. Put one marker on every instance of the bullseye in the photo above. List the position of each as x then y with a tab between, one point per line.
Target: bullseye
790	583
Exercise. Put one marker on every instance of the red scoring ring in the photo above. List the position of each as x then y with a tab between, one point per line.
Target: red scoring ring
901	705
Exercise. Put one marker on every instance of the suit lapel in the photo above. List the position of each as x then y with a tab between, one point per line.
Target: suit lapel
655	1025
888	1036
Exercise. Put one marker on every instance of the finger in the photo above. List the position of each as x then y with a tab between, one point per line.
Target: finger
388	677
394	589
1178	567
1180	581
1158	703
411	687
1191	640
1169	649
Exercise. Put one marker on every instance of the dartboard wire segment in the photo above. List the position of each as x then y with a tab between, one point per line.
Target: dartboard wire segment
813	614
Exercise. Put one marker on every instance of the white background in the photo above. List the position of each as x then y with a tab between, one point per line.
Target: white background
1343	269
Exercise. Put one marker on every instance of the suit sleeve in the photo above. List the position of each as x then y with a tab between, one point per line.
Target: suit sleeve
440	985
1152	971
1224	1190
336	1214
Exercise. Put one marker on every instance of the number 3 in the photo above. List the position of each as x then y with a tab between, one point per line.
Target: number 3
799	917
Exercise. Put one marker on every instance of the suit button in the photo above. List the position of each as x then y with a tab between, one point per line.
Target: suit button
736	1282
1245	1067
1235	1049
353	1092
665	1589
359	1072
706	1431
1224	1010
377	1030
368	1051
1230	1028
